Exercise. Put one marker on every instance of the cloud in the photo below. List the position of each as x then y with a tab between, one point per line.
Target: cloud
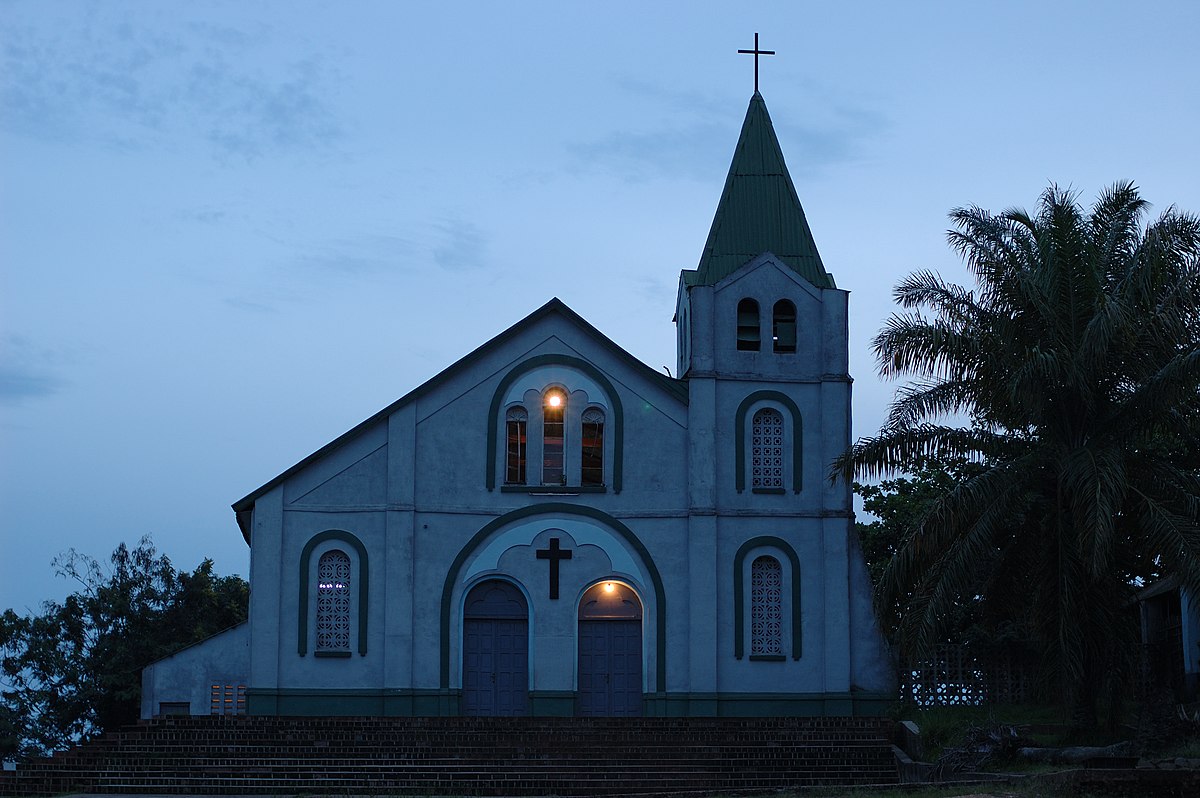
24	372
461	246
135	84
249	116
688	149
364	256
681	152
17	385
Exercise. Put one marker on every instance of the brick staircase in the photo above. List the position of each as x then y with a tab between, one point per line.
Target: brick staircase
465	756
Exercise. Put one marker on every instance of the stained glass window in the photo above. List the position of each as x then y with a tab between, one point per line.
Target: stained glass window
766	607
554	408
516	425
333	602
766	449
592	470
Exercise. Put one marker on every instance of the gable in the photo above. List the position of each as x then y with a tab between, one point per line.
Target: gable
552	320
363	481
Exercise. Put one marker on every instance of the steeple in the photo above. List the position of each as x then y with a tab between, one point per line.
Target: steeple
759	210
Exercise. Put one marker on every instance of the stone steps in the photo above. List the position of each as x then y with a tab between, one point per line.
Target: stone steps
466	756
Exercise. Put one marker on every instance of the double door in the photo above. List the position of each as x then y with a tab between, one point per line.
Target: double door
610	668
496	667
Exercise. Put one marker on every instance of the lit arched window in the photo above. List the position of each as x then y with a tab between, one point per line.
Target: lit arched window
766	607
766	449
553	409
516	424
783	327
592	448
333	602
747	326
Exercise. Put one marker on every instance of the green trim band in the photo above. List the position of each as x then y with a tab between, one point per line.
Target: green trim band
739	597
739	437
363	582
558	508
407	702
553	490
618	411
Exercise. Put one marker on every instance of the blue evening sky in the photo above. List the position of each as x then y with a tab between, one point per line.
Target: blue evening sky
231	231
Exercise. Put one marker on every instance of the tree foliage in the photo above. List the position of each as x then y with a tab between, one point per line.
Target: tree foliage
1075	363
74	670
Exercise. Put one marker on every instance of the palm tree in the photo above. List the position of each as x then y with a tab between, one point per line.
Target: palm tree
1071	372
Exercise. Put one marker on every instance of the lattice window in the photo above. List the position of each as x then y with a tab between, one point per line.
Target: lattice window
516	424
592	460
766	449
228	699
333	602
766	607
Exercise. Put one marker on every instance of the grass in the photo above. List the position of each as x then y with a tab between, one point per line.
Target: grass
942	727
1013	790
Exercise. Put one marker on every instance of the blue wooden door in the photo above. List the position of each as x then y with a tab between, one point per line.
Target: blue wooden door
495	667
495	651
610	668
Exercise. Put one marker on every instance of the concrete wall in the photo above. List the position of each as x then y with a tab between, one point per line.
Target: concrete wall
412	491
187	676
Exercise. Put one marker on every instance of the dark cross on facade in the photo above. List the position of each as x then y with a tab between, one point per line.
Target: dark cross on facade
756	53
554	554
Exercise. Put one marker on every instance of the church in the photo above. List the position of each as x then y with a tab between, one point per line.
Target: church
550	527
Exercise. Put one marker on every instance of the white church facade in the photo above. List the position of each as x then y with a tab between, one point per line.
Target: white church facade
551	527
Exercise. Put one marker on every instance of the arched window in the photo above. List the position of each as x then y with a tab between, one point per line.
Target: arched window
783	326
516	425
766	607
592	448
553	410
747	326
554	391
333	602
766	450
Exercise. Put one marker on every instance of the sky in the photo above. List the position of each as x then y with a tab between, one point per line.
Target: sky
231	231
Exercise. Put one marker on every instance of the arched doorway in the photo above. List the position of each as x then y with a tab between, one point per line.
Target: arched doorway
495	650
610	651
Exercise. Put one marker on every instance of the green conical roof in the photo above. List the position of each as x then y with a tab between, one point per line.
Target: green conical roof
759	210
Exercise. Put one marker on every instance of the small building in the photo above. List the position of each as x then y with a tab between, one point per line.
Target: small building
551	527
1170	622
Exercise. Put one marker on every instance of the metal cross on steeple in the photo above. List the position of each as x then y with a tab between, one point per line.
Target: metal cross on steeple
756	53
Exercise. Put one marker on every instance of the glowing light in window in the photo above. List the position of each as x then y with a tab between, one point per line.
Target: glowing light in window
609	587
554	399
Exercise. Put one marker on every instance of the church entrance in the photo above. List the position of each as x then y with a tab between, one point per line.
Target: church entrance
495	651
610	651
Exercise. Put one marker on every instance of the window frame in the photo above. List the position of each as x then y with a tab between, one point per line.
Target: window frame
761	451
522	445
359	598
598	450
794	443
548	477
792	617
748	325
339	606
525	375
784	339
763	644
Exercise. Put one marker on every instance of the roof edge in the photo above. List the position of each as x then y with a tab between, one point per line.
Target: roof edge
674	386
